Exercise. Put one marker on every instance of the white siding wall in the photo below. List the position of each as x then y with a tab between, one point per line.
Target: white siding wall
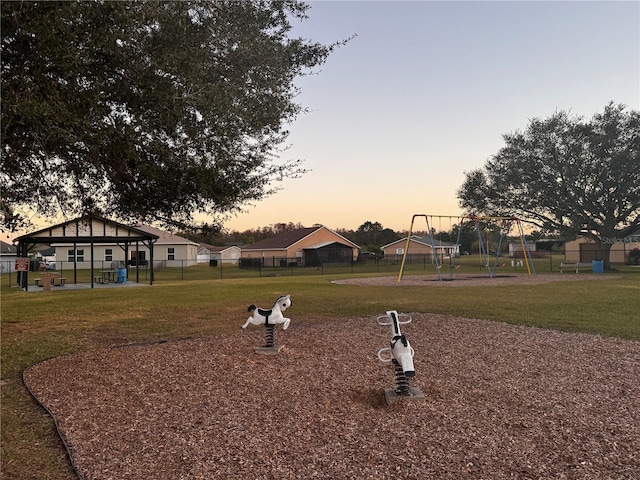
182	255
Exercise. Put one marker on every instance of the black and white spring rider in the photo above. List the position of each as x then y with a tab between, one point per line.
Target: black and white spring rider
400	353
270	318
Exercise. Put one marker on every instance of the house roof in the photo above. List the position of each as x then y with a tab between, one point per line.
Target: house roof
49	251
290	238
423	241
217	248
284	240
165	237
414	238
7	248
317	246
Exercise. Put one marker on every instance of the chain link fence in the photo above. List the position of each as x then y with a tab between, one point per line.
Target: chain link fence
178	270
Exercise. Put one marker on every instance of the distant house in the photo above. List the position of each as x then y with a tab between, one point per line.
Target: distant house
310	246
8	255
515	249
46	257
227	254
204	255
585	250
419	245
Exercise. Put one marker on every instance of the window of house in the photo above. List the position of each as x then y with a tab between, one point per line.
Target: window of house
171	253
78	254
108	254
399	251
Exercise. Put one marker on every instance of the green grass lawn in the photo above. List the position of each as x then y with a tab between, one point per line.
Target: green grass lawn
466	264
37	326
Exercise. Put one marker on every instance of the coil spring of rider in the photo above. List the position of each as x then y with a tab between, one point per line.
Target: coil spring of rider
270	336
402	382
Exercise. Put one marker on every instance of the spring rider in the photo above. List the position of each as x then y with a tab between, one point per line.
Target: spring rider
269	318
400	354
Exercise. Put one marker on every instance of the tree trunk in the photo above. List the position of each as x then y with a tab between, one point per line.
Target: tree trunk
605	251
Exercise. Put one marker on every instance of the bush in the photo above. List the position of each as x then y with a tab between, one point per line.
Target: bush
634	257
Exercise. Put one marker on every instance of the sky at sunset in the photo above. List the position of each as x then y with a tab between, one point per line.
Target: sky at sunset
426	90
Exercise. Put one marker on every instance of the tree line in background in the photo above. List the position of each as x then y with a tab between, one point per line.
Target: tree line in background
371	236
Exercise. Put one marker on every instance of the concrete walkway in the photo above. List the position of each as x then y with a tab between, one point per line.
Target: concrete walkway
84	286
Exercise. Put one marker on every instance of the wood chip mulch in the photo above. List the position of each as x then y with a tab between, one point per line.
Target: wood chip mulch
501	401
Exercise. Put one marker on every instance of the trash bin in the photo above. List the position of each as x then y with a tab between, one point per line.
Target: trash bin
122	275
597	266
213	263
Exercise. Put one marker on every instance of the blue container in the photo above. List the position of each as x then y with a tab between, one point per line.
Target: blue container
597	266
122	275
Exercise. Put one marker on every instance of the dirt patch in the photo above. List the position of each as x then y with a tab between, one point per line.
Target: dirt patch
501	401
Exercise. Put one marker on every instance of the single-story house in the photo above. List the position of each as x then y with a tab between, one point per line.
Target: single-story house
169	250
419	245
515	248
8	255
46	257
225	254
309	246
585	250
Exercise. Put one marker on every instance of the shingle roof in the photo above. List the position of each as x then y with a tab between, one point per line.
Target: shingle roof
164	237
217	248
283	241
7	249
423	241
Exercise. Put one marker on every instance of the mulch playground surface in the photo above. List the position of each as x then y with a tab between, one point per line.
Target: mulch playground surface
501	401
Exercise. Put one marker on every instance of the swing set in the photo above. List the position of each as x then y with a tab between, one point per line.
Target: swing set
505	224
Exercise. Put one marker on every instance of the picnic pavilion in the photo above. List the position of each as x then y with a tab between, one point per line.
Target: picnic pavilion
87	230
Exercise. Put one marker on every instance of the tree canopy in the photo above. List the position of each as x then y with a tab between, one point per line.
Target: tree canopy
148	111
565	175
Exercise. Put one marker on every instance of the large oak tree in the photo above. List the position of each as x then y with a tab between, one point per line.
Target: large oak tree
147	110
566	175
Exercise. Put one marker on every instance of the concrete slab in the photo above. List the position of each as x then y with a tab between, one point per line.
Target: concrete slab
268	350
415	394
84	286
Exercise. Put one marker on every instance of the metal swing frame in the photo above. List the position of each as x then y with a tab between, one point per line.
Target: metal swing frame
505	222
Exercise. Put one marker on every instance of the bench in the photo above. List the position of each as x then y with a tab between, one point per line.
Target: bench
575	266
97	279
55	281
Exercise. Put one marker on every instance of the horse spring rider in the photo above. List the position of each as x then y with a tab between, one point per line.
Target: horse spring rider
272	316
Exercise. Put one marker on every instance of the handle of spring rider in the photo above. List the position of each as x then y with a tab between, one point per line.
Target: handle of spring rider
387	359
